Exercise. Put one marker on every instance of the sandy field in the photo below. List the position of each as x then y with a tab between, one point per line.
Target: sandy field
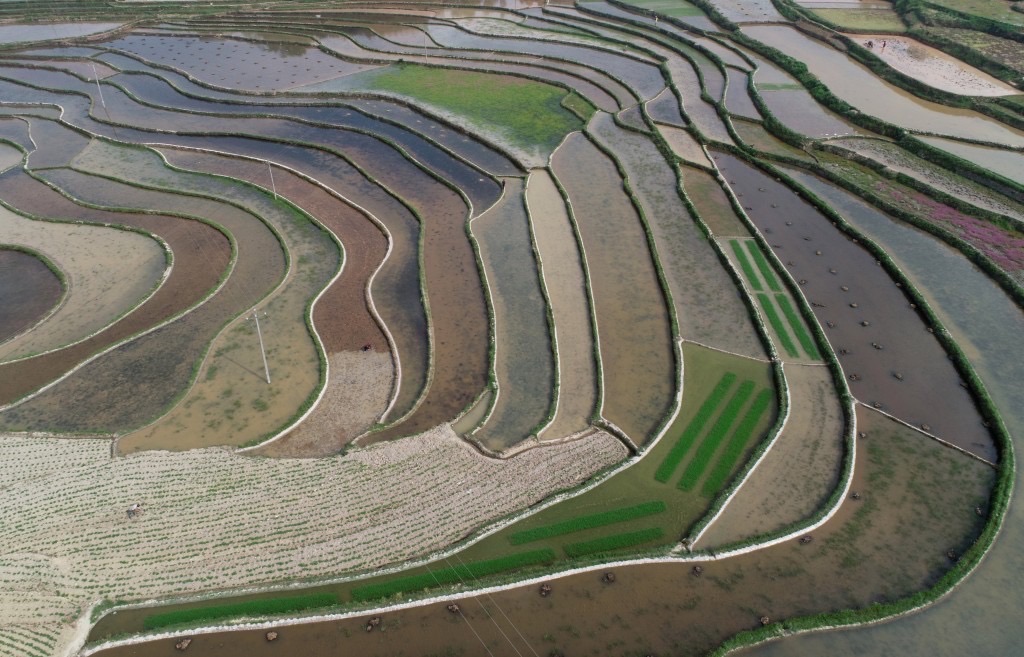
215	519
933	67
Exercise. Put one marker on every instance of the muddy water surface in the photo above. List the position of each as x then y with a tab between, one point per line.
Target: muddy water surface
856	85
108	272
664	609
638	364
570	309
707	303
524	358
202	255
981	618
890	358
28	291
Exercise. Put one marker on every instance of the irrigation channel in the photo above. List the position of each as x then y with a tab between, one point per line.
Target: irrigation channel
611	327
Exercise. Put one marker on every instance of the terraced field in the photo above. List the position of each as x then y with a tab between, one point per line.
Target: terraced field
333	308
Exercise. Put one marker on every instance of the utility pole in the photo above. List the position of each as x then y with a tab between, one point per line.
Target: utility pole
96	76
263	351
272	185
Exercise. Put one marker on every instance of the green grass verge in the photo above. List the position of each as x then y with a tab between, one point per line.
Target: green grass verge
693	429
708	447
764	267
451	575
247	608
780	329
588	522
798	327
748	269
613	542
528	113
737	443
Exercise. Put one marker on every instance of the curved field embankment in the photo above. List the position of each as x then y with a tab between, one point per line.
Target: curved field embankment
29	289
524	367
228	380
202	255
109	272
564	280
884	345
865	554
632	322
342	317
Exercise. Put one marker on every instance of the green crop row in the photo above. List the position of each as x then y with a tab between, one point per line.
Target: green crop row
748	269
248	608
588	522
798	326
613	542
451	575
776	322
693	429
710	444
737	443
762	264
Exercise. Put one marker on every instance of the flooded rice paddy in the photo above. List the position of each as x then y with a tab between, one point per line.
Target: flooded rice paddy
109	272
867	318
412	267
29	290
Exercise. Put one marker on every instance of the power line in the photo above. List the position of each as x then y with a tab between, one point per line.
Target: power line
498	607
478	638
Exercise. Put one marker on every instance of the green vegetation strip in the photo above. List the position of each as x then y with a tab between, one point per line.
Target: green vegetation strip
737	443
798	326
248	608
588	522
708	447
451	575
762	264
776	322
748	269
614	542
693	429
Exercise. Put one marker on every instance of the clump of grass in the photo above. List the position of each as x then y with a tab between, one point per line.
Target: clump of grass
528	113
737	443
588	522
613	542
748	269
776	322
693	429
247	608
451	575
710	444
798	327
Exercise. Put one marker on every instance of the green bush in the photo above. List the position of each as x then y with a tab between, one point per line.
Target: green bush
748	269
693	429
614	542
588	522
710	444
266	607
460	573
737	443
798	327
